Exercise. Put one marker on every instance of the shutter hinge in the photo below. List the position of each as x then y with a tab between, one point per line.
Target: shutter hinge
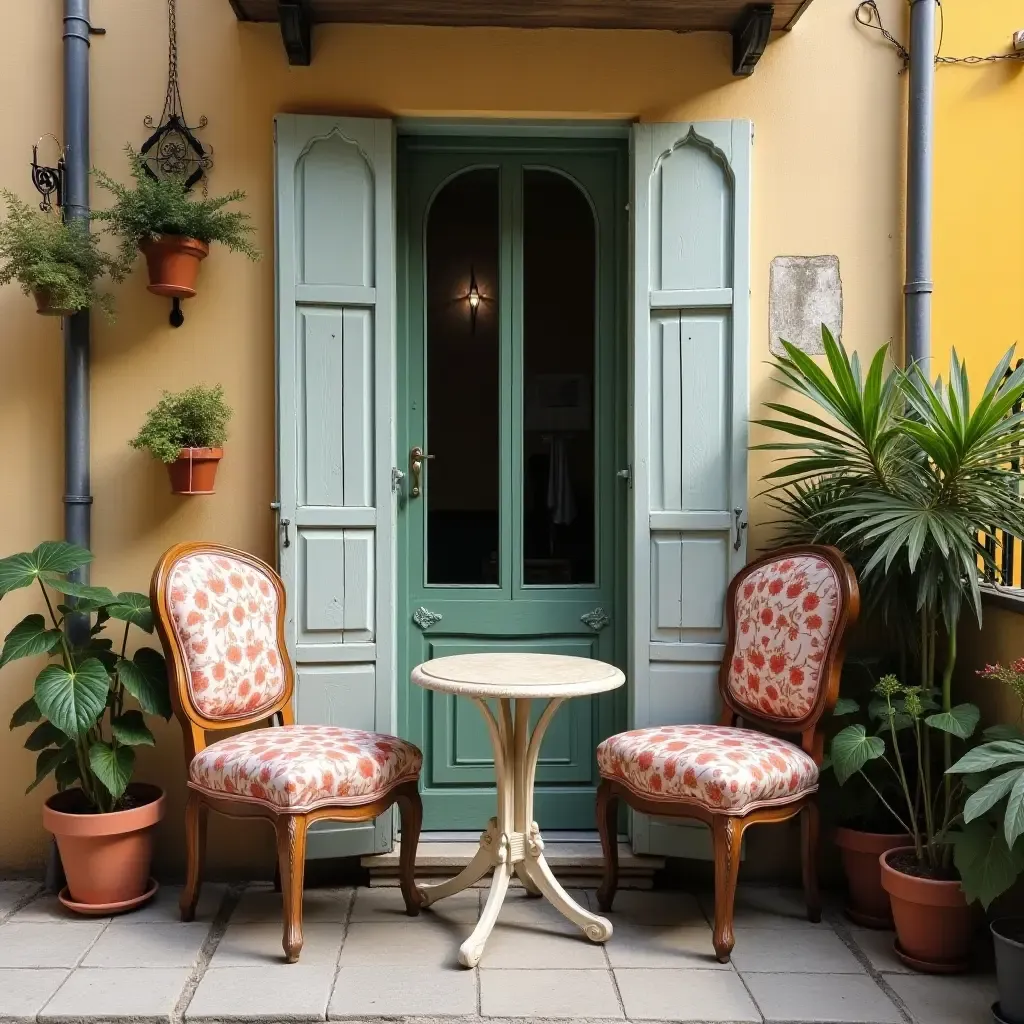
627	475
397	476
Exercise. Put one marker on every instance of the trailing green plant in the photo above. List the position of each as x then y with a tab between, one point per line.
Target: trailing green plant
194	418
43	253
85	734
151	207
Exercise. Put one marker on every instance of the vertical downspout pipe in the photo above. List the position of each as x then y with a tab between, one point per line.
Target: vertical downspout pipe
77	496
920	157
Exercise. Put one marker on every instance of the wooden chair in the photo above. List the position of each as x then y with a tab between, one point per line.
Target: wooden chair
786	615
220	614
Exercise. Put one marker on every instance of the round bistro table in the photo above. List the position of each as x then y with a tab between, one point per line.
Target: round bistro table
512	844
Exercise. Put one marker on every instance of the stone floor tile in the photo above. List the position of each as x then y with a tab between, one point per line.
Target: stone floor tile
653	908
877	947
819	951
536	947
278	992
385	903
520	908
688	995
23	993
403	992
157	945
432	944
319	906
163	907
54	944
951	1000
821	999
12	893
252	944
545	994
46	908
763	907
687	945
118	993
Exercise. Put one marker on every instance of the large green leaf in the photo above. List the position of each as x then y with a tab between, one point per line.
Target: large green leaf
145	678
49	760
112	766
1003	731
987	756
73	700
95	597
26	713
1013	820
44	735
133	608
28	638
845	706
68	773
988	795
986	865
960	721
23	569
130	728
852	748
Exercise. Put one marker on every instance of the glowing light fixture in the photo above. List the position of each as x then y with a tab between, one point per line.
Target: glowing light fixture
474	298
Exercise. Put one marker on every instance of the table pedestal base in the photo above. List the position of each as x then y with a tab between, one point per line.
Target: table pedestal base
512	844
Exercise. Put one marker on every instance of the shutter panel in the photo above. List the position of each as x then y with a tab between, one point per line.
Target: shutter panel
691	313
336	316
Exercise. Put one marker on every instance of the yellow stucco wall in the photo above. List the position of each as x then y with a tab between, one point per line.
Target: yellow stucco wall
827	105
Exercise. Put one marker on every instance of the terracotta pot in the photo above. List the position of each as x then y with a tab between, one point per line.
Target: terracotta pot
934	923
44	306
867	902
106	857
173	263
195	470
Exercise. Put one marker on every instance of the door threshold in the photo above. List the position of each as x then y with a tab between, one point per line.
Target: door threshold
550	836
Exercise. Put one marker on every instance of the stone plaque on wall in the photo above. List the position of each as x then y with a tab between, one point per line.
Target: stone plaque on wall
804	293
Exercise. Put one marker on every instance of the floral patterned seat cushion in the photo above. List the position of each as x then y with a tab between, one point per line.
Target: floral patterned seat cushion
724	769
786	613
299	767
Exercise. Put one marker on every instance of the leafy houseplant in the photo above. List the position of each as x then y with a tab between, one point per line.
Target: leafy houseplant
902	475
58	263
187	432
86	734
173	231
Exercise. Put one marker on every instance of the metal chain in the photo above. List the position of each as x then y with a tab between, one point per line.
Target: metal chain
868	15
172	38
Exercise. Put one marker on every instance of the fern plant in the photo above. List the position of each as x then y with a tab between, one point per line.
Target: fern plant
62	260
194	418
152	207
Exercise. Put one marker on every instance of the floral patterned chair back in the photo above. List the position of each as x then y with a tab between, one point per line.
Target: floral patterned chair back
223	611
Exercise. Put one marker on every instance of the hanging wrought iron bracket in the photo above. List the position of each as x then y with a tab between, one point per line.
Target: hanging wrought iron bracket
750	37
296	31
49	181
177	317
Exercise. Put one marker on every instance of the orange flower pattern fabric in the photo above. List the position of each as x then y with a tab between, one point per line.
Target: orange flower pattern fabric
728	770
224	612
300	767
786	612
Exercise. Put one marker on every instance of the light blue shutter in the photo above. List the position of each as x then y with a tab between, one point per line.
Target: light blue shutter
691	324
336	328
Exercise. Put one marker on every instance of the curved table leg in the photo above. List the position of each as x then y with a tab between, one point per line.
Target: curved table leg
482	862
472	949
597	929
528	883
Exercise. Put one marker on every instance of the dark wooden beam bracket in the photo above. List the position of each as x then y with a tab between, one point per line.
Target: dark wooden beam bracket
296	30
750	37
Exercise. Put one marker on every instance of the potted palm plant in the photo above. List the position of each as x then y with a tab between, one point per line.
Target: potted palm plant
903	475
59	264
186	431
158	217
86	730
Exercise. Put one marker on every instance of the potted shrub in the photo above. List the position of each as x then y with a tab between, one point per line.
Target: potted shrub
86	731
157	217
187	431
57	263
903	474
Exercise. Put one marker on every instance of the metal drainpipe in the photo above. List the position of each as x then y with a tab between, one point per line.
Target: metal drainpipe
920	146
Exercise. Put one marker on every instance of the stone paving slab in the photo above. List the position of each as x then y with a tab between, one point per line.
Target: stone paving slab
24	992
116	994
403	992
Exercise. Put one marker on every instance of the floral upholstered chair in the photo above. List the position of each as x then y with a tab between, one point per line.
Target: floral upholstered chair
220	614
786	617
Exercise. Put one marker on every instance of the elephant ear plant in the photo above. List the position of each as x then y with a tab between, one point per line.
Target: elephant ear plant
86	733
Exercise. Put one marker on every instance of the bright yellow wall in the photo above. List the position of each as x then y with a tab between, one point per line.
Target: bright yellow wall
826	102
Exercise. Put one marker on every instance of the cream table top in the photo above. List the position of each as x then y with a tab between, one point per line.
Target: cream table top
511	675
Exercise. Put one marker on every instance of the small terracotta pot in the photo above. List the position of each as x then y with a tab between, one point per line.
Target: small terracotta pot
173	263
106	857
867	902
934	923
195	470
44	306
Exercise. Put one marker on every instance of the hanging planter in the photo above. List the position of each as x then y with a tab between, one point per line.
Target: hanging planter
46	305
173	264
186	432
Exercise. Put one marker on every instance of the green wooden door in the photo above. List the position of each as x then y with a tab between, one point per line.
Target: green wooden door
511	363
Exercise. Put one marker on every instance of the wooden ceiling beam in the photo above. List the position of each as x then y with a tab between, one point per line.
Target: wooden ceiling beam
296	23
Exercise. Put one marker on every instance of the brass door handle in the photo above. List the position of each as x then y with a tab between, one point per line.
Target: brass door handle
416	457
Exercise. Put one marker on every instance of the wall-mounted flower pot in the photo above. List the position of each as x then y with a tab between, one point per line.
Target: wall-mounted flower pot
195	470
106	857
173	263
867	902
44	304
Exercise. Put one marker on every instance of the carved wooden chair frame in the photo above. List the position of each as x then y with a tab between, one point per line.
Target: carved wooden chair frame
290	827
727	829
